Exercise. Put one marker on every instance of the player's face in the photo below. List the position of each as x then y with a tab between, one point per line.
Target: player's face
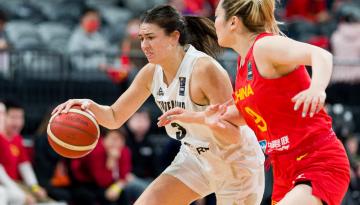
155	43
14	121
222	27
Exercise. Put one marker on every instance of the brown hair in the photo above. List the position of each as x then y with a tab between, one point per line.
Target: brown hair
257	15
198	31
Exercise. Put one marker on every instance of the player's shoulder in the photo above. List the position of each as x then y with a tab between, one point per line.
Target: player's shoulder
145	76
266	47
205	65
147	71
269	42
150	67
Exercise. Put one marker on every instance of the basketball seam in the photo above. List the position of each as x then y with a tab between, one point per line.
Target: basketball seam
89	116
73	127
69	146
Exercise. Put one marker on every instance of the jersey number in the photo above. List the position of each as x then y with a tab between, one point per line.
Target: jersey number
259	121
180	134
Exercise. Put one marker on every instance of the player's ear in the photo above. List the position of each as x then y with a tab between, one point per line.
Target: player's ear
235	22
175	36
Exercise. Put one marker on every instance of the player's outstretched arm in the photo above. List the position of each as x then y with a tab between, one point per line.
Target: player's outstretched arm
286	60
114	116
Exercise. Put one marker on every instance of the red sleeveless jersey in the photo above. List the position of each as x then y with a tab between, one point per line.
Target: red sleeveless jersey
267	108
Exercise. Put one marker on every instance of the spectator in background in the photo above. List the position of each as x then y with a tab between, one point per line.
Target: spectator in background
142	149
314	11
195	7
104	175
51	169
345	40
14	161
2	116
3	42
131	58
352	147
86	40
4	57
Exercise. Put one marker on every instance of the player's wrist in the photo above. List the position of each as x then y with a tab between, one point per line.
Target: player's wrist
317	86
199	117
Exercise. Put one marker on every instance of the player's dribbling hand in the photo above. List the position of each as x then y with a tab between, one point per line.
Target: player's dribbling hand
312	99
65	107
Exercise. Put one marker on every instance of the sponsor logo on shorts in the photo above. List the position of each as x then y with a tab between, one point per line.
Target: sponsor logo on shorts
301	157
263	145
279	144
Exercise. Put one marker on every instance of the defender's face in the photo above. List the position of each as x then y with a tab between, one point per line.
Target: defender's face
222	27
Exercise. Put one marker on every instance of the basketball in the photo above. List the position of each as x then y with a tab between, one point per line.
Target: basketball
74	134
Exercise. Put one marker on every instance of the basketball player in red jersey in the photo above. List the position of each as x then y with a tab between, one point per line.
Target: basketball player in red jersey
279	101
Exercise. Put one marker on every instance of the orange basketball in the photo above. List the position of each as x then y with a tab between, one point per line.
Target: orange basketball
74	134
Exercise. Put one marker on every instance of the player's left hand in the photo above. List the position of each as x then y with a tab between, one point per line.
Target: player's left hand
313	100
211	116
177	113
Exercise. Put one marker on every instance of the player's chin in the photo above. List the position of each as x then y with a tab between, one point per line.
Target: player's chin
222	42
153	61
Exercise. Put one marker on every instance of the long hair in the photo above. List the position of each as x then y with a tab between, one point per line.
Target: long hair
198	31
257	15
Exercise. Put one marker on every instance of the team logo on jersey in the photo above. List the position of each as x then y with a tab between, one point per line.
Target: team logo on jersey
182	81
160	92
249	71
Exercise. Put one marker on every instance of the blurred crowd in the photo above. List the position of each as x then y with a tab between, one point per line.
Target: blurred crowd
101	36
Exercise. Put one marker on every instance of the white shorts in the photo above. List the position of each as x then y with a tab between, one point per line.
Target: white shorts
233	183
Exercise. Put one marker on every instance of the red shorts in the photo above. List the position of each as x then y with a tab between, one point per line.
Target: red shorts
324	164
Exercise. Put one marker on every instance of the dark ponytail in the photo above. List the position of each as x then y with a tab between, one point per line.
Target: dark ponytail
202	35
198	31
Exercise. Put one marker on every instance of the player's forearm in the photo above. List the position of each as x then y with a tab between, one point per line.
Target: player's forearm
104	115
227	134
322	64
233	116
